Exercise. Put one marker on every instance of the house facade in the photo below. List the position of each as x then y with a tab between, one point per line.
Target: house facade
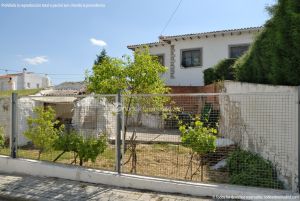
24	80
187	56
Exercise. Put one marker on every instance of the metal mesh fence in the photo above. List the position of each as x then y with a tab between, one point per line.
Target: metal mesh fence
79	132
244	139
5	126
254	138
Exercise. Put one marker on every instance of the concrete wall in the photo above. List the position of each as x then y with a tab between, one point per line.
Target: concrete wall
40	168
214	48
264	119
25	106
24	110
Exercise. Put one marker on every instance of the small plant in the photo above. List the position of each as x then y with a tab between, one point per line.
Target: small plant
43	130
201	140
209	116
84	148
246	168
2	138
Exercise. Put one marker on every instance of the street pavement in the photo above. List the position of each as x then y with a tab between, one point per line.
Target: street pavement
21	187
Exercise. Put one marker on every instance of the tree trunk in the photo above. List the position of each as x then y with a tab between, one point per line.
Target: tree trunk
59	156
39	156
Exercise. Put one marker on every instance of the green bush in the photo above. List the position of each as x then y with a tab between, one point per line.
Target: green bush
209	76
274	57
86	148
222	71
246	168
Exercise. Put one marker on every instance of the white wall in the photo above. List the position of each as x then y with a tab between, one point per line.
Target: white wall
214	49
36	81
20	82
163	50
263	119
40	168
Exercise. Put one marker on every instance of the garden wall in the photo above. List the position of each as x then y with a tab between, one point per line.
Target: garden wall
263	119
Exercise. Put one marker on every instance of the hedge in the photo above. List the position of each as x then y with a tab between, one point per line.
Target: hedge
274	57
222	71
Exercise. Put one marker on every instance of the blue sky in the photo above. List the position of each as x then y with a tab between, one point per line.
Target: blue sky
65	41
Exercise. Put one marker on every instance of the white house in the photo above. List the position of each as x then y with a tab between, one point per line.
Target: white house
188	55
24	80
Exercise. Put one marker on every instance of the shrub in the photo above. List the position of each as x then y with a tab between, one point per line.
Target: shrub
209	76
43	130
201	140
246	168
86	148
221	71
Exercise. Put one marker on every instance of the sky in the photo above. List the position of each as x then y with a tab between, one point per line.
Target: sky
64	42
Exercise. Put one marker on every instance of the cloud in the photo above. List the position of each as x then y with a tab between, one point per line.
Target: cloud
96	42
36	60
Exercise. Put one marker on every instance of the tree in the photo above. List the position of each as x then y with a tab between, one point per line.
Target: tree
86	148
201	140
101	57
274	57
140	75
43	130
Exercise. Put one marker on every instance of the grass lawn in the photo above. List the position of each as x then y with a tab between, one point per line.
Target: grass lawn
25	92
158	160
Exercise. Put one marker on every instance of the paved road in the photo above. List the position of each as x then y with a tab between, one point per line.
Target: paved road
42	188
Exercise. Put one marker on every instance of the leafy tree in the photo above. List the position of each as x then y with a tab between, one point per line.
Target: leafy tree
85	148
43	130
102	56
2	138
201	140
274	57
140	75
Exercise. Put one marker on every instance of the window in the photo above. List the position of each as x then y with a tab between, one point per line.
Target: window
38	86
191	58
160	58
28	85
236	51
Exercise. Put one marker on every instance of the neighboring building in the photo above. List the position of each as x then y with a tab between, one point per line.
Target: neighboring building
187	56
24	80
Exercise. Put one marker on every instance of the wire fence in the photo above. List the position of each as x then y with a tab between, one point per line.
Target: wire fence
5	108
243	139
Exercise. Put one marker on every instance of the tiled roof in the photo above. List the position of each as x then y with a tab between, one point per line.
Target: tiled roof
5	76
212	32
146	44
164	39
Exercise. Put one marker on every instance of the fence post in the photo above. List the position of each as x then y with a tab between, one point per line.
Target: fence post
13	145
118	133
